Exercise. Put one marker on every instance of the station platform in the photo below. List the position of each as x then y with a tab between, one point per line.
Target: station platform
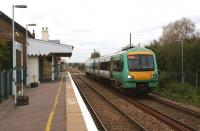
53	106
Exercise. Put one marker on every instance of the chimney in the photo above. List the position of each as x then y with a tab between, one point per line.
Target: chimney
33	34
45	34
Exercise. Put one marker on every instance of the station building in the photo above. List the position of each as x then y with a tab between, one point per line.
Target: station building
42	63
44	58
20	40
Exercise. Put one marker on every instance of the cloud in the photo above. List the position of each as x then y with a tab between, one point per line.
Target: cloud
103	25
82	31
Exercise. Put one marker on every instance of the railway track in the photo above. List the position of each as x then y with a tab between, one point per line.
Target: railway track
170	104
175	124
120	120
172	122
98	121
189	119
186	118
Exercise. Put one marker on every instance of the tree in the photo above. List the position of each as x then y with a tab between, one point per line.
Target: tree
81	66
95	54
5	56
177	31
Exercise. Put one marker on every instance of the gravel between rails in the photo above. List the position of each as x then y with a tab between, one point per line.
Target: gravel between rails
111	117
184	105
148	121
177	114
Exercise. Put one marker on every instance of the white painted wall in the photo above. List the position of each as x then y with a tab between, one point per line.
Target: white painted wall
33	69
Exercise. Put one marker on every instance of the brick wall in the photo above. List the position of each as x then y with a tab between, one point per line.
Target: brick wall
6	36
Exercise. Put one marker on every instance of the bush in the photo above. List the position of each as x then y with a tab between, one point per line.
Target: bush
184	93
164	77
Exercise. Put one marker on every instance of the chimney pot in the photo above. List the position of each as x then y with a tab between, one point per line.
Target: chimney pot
45	34
33	34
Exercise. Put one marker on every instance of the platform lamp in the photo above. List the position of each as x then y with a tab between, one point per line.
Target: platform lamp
14	89
27	25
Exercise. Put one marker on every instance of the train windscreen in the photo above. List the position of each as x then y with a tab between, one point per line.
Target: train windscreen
140	63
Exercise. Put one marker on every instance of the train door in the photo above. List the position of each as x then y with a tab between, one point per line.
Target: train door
117	67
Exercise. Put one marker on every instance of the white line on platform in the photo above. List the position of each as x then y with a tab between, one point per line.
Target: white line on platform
86	115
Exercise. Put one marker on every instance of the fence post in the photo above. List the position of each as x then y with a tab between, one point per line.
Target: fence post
0	85
6	85
22	81
10	79
25	76
196	80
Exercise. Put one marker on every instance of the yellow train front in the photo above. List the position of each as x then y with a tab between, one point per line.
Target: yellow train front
134	69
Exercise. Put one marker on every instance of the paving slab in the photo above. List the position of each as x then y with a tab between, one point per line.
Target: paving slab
37	115
75	121
34	117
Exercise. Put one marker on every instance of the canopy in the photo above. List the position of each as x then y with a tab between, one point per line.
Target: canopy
40	48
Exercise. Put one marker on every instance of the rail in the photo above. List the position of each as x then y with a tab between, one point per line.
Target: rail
166	119
175	105
91	108
107	100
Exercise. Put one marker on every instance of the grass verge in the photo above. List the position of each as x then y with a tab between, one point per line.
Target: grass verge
185	93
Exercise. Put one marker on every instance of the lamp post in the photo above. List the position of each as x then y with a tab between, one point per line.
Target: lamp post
27	25
14	51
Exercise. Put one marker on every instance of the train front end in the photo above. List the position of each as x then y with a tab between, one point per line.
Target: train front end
141	73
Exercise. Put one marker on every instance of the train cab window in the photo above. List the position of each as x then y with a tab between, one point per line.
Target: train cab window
117	66
140	62
147	62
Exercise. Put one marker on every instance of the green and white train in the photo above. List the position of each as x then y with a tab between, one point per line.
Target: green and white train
134	69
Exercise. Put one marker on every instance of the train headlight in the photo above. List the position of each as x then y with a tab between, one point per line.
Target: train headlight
129	76
153	76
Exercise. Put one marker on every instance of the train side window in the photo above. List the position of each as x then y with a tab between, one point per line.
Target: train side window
104	65
117	66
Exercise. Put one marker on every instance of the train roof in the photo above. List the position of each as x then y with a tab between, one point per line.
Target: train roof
125	51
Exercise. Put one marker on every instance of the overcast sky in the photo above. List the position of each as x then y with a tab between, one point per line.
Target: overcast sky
103	25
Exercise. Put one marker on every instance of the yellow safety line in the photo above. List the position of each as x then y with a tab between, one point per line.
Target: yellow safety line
48	125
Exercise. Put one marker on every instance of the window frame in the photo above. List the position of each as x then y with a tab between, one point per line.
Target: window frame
140	63
116	63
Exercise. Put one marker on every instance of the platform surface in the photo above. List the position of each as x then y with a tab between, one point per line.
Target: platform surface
52	106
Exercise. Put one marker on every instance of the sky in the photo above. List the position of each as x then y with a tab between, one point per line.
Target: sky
103	25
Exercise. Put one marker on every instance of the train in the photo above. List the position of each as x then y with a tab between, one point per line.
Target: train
132	71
